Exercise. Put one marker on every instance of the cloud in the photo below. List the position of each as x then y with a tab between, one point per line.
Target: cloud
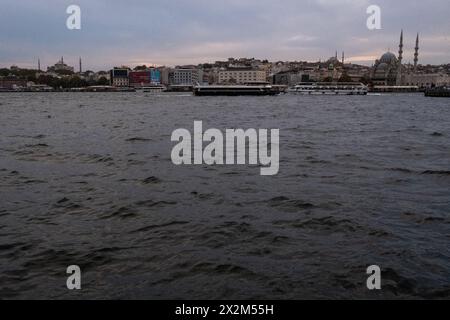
191	31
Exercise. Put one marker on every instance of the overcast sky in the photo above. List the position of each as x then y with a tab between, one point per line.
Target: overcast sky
174	32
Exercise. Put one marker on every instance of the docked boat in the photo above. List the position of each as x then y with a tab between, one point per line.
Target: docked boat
395	89
441	92
330	88
238	90
152	89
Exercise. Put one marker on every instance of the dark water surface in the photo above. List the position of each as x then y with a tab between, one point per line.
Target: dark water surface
87	179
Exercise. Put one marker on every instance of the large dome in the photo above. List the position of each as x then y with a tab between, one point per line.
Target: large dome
383	66
388	58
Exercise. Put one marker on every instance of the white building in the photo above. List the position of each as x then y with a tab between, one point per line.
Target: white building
426	80
241	76
187	77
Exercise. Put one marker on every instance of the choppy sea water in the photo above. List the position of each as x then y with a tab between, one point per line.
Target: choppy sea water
87	179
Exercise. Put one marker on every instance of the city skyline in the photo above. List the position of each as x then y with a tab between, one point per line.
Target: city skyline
178	33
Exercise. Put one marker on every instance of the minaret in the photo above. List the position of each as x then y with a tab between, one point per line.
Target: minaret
400	58
416	54
400	48
343	57
81	69
62	59
39	64
336	55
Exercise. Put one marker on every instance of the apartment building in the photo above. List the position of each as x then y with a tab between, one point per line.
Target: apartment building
241	76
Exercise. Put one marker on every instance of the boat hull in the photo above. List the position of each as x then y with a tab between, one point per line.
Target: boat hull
236	91
438	93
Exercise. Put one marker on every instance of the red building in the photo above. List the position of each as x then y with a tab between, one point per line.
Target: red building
140	78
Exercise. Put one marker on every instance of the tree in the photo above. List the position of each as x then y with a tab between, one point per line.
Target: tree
102	81
140	68
4	72
75	82
64	72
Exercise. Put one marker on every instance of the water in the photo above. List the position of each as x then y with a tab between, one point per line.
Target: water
87	179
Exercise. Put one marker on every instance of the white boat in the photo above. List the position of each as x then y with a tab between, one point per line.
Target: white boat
152	89
330	88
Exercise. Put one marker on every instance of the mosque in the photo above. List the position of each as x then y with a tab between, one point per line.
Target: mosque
388	70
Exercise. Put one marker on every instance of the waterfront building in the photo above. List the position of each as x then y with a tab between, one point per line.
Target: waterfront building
292	78
242	75
210	76
164	75
155	76
144	78
139	78
12	83
185	76
119	77
427	80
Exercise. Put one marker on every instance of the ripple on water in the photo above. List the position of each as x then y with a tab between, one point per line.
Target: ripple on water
95	186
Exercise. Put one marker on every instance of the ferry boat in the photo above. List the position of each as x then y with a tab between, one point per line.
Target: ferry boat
330	88
152	89
442	92
395	89
238	90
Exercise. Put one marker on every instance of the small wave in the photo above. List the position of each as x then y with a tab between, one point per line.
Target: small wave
39	136
151	203
151	180
228	269
122	213
67	204
397	284
420	219
404	170
137	139
34	181
437	172
62	200
159	226
38	145
286	203
203	196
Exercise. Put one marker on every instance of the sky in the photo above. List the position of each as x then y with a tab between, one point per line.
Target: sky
176	32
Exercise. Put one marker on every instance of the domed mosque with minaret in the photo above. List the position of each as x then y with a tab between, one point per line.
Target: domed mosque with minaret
389	69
